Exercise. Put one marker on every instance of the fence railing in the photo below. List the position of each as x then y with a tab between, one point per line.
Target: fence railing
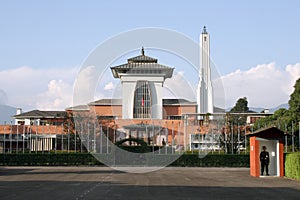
179	136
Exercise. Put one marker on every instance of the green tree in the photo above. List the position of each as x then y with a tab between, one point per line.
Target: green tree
294	102
286	120
240	106
281	118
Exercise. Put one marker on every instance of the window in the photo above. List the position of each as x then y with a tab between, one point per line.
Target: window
142	100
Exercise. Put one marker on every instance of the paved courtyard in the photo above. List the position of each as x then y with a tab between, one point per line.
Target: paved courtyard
167	183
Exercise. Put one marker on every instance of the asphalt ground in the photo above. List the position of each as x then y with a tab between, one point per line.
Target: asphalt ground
167	183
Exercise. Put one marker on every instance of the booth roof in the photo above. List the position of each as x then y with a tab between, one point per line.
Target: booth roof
267	131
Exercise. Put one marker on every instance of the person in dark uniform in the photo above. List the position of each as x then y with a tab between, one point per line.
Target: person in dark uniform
264	161
163	142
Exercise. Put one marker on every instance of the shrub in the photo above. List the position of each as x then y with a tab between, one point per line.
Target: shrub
292	165
212	160
73	159
45	159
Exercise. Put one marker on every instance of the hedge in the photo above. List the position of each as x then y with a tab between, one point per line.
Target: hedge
74	159
292	165
51	159
213	160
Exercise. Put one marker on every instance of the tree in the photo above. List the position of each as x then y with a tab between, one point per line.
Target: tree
294	102
286	120
240	106
281	118
232	138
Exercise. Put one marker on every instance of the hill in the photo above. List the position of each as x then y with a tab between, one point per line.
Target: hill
272	110
5	114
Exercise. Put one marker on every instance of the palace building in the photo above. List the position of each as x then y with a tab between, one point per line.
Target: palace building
142	106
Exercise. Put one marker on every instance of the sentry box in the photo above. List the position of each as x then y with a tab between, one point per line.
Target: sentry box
272	138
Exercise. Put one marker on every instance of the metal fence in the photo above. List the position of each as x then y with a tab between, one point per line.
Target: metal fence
187	135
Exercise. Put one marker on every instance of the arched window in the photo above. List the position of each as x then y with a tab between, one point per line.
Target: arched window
142	100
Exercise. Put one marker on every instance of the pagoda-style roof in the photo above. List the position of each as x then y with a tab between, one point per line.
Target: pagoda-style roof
41	114
142	65
142	59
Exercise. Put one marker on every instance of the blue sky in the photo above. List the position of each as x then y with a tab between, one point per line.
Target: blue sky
51	37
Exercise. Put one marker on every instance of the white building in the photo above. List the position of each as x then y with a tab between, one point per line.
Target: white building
205	97
142	79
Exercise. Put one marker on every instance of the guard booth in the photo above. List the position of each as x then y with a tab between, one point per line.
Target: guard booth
272	138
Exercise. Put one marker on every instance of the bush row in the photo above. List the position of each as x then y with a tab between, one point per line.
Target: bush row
292	165
213	160
51	159
73	159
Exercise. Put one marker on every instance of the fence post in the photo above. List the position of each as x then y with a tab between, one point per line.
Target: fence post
55	140
232	139
173	137
10	138
245	139
293	144
4	140
62	137
68	126
299	136
23	139
286	142
17	145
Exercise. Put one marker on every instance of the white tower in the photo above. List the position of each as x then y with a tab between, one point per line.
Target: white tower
205	89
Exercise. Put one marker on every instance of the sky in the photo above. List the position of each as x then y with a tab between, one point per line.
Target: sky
254	46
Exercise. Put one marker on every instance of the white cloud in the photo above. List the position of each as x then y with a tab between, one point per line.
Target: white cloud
109	86
26	85
265	85
58	96
85	85
179	86
294	72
